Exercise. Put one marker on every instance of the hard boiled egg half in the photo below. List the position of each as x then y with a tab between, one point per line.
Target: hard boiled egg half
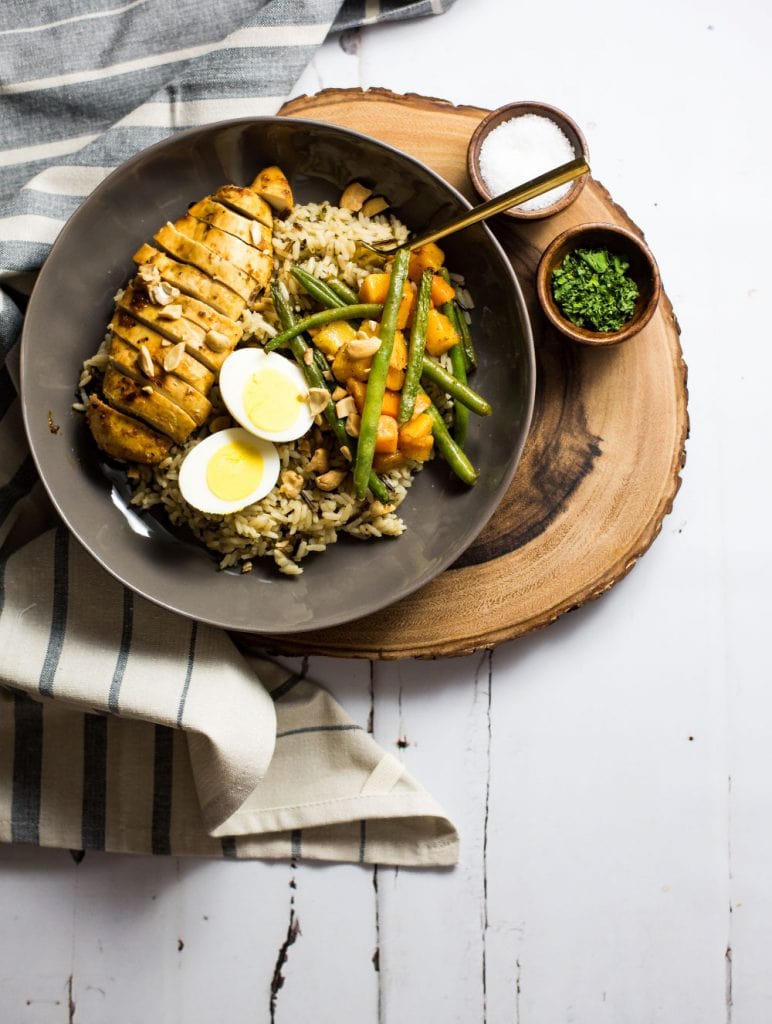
266	394
228	471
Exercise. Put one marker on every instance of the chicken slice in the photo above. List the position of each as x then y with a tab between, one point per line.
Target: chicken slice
250	231
246	202
247	258
190	370
131	362
176	330
190	251
149	405
271	184
123	437
194	310
192	282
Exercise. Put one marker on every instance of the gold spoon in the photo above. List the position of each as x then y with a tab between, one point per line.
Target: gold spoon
519	194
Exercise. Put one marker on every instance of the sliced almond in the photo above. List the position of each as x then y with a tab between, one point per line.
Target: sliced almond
256	233
361	348
174	356
332	479
146	361
216	341
339	393
317	400
170	312
308	356
147	390
345	451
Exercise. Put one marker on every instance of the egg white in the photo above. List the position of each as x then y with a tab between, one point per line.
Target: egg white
192	479
235	375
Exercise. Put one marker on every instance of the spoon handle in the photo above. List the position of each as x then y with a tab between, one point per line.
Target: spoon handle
519	194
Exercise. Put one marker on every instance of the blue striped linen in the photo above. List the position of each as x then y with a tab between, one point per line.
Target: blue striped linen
124	727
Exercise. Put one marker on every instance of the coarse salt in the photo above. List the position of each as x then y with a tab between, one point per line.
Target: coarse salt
520	149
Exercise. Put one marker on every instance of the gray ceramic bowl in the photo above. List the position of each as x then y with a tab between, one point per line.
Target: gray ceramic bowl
73	301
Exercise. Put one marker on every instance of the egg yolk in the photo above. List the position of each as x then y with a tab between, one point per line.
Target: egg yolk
271	400
234	471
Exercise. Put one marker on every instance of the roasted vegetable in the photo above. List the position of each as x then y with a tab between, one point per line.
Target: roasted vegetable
376	383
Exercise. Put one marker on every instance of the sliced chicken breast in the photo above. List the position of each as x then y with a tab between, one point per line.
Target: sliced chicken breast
250	231
246	257
198	345
245	201
190	370
147	404
134	363
192	281
218	268
123	437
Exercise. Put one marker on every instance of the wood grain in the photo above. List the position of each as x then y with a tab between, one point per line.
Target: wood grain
602	463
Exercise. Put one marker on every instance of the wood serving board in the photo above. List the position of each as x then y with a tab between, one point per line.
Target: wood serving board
602	463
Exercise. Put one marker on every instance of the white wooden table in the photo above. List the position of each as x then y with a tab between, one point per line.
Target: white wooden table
611	775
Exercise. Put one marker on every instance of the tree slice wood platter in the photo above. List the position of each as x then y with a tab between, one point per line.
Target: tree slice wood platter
602	463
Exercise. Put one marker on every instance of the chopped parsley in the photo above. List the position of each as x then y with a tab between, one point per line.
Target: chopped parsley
592	289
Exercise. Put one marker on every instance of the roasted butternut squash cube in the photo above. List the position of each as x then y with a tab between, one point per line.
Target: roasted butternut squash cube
395	379
422	403
398	352
383	463
418	426
374	289
442	292
440	333
425	257
358	389
419	449
332	337
387	435
345	366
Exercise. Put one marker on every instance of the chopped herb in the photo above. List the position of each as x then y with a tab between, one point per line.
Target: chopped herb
593	290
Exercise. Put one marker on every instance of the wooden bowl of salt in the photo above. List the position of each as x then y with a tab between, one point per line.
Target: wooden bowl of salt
519	141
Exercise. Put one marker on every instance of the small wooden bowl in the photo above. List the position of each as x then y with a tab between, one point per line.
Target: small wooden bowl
643	270
506	113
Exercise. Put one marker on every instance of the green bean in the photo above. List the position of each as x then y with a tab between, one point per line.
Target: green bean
342	290
458	319
449	450
362	311
415	352
317	289
460	412
461	392
314	377
376	381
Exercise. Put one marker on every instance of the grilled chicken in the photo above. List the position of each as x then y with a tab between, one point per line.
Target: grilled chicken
246	202
147	404
178	329
250	231
134	363
123	437
177	321
192	282
257	264
189	251
271	184
190	370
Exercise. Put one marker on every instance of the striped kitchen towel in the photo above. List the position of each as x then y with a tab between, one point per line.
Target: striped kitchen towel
122	726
